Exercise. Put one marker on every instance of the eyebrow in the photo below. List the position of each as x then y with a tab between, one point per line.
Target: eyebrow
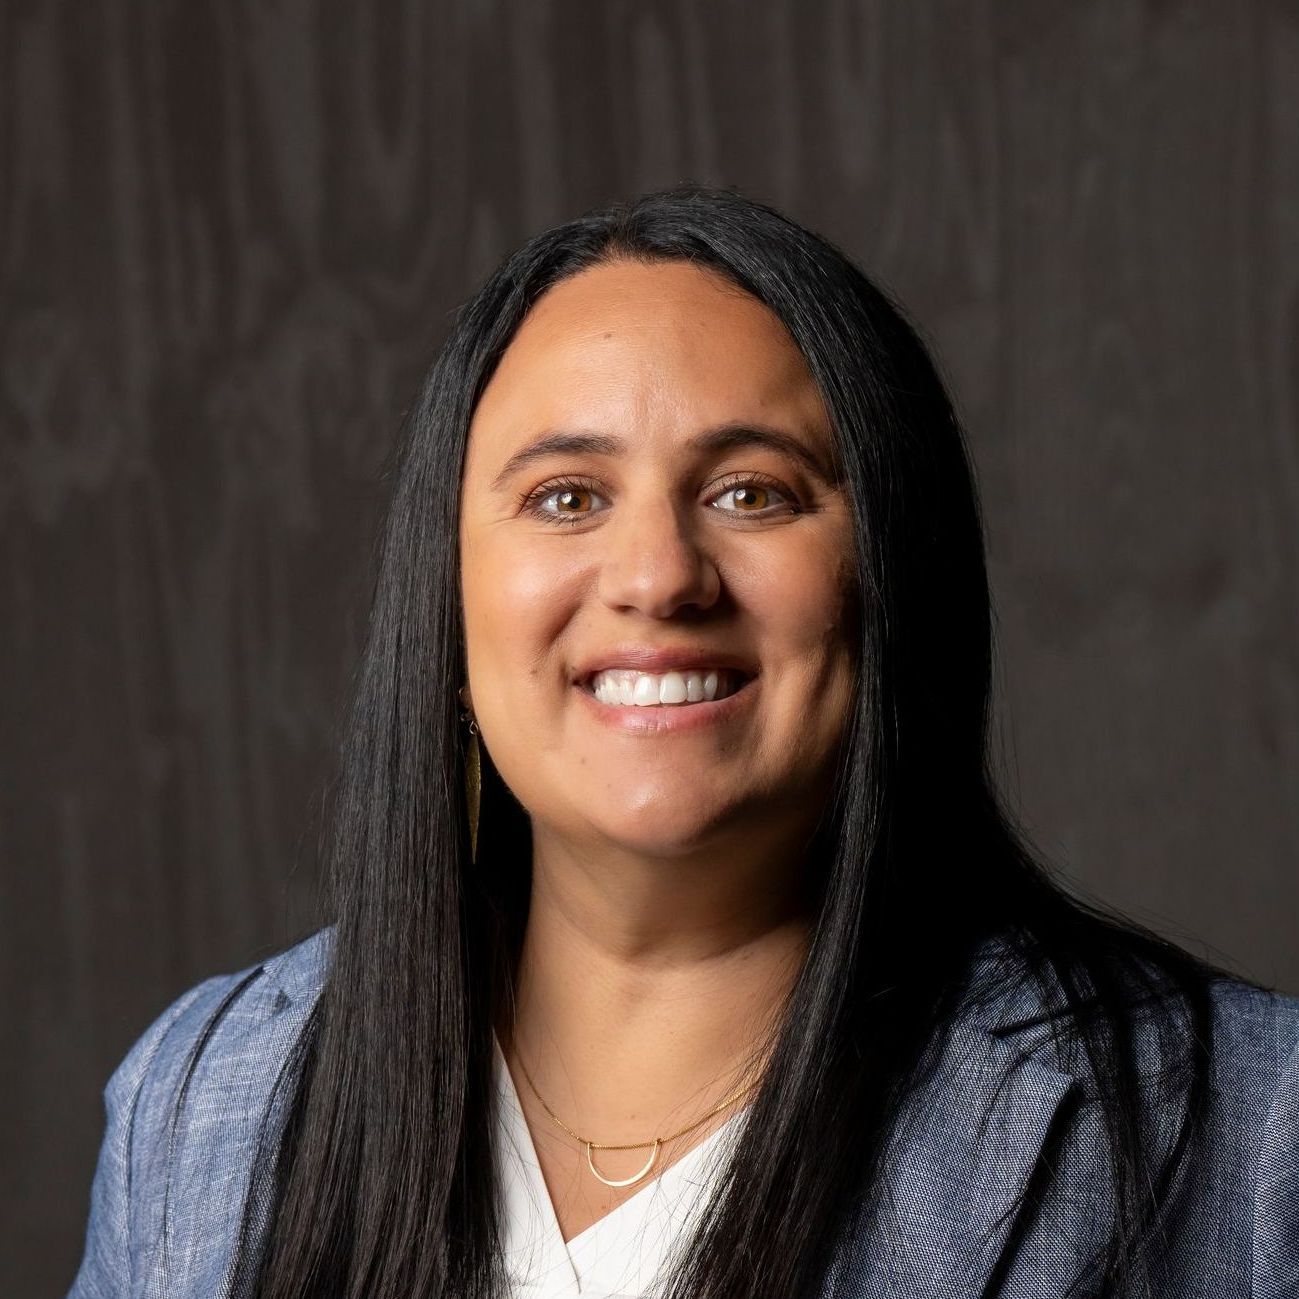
724	437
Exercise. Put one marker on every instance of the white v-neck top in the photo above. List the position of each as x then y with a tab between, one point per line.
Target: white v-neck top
622	1255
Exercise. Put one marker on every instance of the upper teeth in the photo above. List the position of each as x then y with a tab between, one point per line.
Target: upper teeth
621	686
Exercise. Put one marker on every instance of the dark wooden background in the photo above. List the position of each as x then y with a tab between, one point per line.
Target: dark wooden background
230	235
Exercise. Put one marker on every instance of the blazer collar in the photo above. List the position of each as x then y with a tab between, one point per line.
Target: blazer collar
943	1223
981	1129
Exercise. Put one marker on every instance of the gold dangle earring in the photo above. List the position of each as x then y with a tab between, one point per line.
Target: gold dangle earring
473	777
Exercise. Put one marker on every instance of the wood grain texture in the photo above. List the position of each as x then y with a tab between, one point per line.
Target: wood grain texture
230	237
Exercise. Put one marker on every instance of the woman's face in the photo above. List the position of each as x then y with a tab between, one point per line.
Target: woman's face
648	513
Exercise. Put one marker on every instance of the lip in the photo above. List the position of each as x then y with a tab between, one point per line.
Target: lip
664	658
667	719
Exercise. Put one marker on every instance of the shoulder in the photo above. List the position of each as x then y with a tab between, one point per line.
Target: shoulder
1250	1039
1249	1032
1234	1214
1238	1039
1252	1099
1257	1028
1256	1099
187	1111
204	1034
1233	1206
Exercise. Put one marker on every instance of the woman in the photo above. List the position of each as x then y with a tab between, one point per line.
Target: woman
729	975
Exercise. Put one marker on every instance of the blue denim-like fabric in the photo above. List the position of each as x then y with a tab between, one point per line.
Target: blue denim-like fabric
1000	1111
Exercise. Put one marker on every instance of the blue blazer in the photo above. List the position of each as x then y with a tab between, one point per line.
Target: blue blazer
167	1198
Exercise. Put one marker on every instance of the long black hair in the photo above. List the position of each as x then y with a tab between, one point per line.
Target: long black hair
384	1185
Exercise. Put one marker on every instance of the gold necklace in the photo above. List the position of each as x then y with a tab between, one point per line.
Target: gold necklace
656	1142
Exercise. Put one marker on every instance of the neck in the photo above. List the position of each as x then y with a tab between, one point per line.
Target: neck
646	989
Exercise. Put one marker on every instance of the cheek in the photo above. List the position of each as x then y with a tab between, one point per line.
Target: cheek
807	605
517	600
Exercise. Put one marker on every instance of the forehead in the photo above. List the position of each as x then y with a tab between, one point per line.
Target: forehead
662	344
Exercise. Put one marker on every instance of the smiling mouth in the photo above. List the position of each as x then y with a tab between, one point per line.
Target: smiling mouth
626	688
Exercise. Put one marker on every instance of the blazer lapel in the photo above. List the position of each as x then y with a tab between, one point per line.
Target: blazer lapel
976	1135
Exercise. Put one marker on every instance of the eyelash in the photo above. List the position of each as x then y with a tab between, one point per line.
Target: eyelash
530	501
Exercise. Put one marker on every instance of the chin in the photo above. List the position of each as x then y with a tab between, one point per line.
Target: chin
666	835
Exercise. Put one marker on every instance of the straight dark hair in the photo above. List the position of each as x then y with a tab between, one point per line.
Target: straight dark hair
382	1184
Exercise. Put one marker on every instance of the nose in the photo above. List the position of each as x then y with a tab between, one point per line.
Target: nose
654	563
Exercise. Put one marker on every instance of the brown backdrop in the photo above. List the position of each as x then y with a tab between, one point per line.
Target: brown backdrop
230	235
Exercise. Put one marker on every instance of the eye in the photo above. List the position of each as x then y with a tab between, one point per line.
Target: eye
756	495
565	502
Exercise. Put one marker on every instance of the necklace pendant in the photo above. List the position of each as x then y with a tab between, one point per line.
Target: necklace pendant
623	1181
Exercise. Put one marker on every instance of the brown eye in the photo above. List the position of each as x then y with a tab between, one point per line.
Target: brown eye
572	501
752	497
564	502
756	498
